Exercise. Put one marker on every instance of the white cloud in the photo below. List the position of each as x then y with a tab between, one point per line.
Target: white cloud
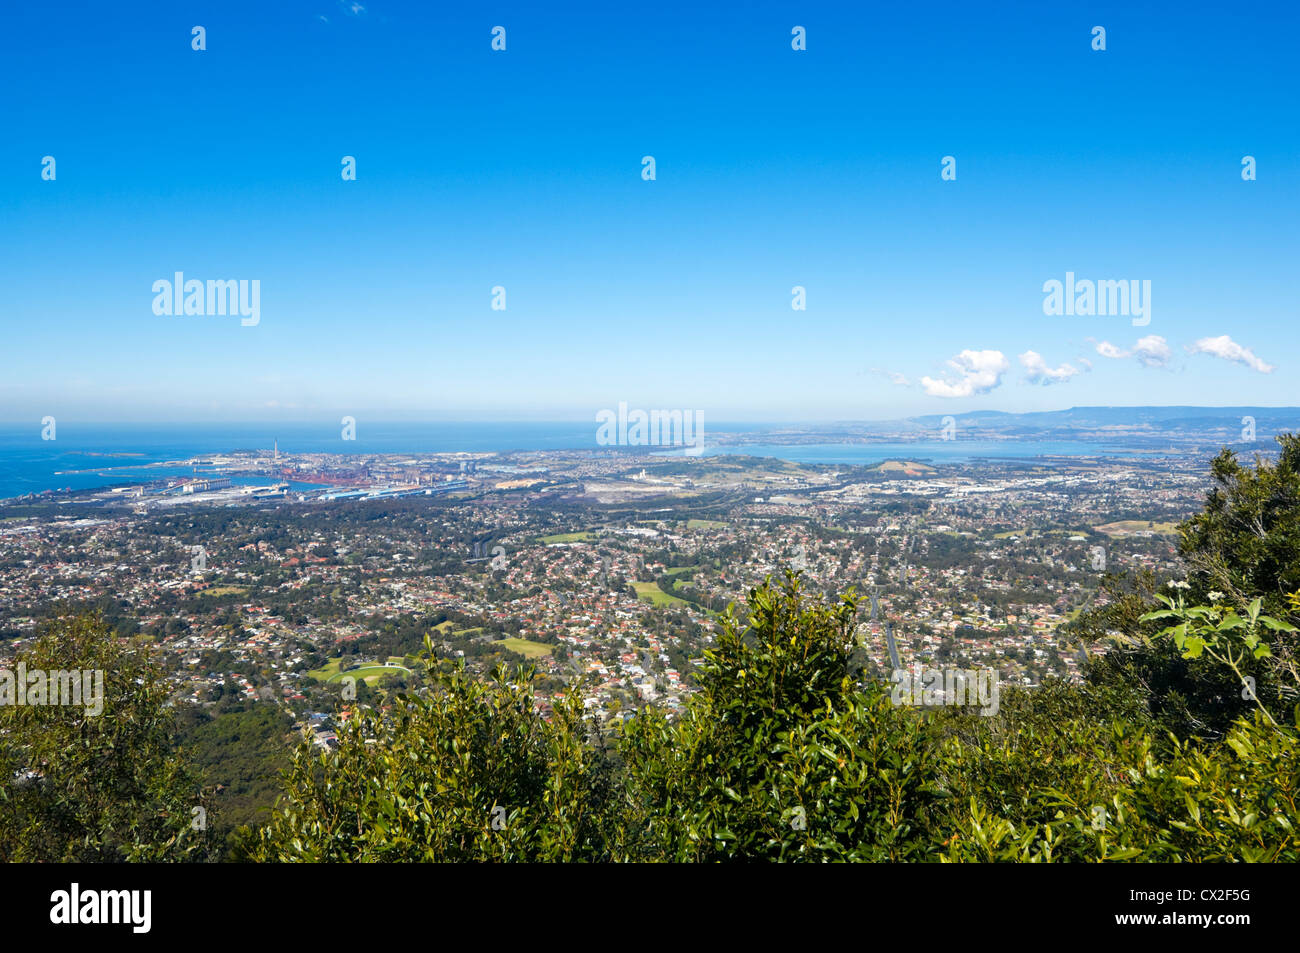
1229	350
1106	349
1153	351
978	372
1037	371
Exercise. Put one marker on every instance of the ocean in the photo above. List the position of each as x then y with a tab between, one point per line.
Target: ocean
29	464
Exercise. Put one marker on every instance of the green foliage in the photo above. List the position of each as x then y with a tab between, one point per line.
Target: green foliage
471	772
242	755
1055	737
82	787
1246	541
780	757
1231	801
783	756
1050	780
1242	547
1222	635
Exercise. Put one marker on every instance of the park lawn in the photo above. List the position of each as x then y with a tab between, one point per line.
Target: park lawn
329	672
225	591
894	466
1030	533
370	674
326	671
1129	527
581	537
524	647
651	592
704	524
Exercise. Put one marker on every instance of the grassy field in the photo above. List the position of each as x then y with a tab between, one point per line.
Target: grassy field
524	647
650	591
581	537
902	466
370	674
1129	527
704	524
326	671
1040	532
225	591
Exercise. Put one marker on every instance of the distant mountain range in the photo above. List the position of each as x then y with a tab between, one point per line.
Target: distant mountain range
1146	428
1156	419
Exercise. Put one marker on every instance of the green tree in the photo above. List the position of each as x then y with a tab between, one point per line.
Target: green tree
1244	545
80	786
471	772
780	756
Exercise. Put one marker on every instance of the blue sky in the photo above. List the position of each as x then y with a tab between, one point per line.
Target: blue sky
522	169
